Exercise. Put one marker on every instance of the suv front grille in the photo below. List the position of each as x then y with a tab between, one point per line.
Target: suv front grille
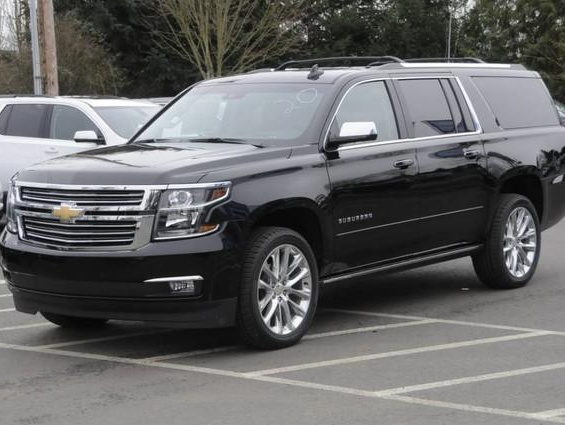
88	197
82	233
104	218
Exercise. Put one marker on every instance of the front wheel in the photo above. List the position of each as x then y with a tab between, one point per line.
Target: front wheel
72	322
511	253
279	289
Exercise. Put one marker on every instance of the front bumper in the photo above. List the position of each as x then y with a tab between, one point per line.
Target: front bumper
113	285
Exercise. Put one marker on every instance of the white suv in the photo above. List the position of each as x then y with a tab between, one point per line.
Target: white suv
34	129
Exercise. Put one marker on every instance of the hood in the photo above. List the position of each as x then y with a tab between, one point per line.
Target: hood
147	164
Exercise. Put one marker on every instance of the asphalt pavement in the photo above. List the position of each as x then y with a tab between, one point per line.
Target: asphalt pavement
428	346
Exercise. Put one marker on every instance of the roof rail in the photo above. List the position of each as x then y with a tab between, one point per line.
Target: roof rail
371	61
447	60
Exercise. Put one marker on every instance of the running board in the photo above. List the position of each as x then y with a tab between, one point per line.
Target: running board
406	264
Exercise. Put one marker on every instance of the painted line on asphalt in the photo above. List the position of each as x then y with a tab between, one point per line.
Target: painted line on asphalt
472	379
2	282
444	321
33	325
6	296
551	413
369	329
188	354
7	310
356	359
282	381
306	338
104	338
471	408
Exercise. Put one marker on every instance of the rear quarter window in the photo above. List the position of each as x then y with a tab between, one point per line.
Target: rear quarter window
518	102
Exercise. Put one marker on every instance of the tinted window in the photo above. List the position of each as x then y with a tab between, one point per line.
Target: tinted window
66	121
4	115
26	120
428	108
126	120
368	102
518	102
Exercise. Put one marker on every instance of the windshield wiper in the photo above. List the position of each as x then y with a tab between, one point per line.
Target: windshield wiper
201	140
224	140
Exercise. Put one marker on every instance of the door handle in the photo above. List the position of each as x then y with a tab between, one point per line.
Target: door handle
403	164
51	150
471	153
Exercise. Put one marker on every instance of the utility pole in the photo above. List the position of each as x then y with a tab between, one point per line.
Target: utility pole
37	80
49	47
449	32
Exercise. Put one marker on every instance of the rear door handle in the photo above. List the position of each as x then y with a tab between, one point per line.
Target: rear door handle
403	163
471	153
51	150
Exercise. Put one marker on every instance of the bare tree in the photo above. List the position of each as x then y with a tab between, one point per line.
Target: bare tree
228	36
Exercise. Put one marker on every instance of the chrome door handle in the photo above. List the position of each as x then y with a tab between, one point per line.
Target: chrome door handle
403	163
471	153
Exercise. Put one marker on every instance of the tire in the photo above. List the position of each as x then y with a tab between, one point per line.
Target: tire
495	265
71	322
276	313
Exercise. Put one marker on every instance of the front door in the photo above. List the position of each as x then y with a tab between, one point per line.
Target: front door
375	210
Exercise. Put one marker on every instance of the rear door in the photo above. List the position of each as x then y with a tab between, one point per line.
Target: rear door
23	132
375	210
452	184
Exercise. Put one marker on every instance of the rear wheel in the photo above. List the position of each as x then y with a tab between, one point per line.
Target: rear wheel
72	322
512	248
279	289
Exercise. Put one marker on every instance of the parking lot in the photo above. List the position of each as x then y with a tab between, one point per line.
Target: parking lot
430	346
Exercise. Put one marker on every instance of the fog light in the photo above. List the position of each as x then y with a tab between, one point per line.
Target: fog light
187	285
184	286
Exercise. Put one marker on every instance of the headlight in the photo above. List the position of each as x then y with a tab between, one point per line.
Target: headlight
183	211
11	224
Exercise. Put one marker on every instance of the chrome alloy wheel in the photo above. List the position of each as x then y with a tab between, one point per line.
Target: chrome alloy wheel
284	289
520	242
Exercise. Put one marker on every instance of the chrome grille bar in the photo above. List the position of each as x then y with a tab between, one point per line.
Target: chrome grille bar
110	218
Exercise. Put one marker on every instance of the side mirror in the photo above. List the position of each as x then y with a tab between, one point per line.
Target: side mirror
88	136
354	132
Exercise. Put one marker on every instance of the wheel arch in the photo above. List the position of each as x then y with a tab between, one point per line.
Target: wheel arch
303	216
528	183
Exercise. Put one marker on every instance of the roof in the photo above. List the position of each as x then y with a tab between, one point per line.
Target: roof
330	75
70	100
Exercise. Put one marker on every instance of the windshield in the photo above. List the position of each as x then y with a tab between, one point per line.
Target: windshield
251	112
126	120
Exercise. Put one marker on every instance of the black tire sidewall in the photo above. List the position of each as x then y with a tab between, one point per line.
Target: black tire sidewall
280	236
497	241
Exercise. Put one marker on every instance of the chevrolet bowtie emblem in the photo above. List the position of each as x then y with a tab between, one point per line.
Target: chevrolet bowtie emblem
67	213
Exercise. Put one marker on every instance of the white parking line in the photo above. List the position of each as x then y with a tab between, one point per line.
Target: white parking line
282	381
2	282
33	325
551	413
6	296
306	337
104	338
444	321
476	409
7	310
471	379
355	359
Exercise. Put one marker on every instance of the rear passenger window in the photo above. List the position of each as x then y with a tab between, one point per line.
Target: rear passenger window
518	102
429	111
368	102
26	121
66	121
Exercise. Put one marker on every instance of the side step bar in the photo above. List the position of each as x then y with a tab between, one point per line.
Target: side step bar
406	264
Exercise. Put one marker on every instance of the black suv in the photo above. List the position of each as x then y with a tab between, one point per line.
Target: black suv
247	194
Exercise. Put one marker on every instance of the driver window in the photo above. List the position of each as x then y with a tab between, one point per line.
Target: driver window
368	103
66	121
